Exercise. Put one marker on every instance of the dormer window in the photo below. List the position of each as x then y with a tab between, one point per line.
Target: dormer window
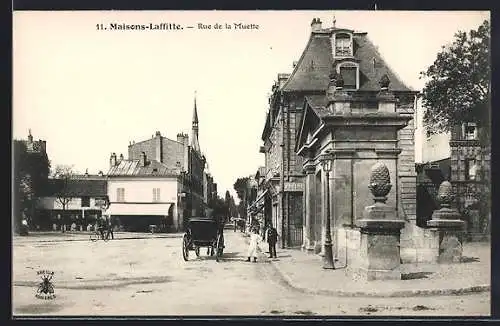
350	74
343	45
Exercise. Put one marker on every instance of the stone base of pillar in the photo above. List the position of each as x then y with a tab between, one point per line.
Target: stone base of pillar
308	246
377	275
450	235
450	247
317	247
380	243
379	256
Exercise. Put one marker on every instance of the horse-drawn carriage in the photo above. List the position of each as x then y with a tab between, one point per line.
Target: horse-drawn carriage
203	232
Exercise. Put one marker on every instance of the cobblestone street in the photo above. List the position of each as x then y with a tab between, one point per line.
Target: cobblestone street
147	276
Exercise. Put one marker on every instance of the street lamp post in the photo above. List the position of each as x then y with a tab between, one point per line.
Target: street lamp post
328	262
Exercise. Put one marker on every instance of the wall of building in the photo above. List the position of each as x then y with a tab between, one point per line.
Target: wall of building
141	189
407	183
436	147
172	151
293	124
74	203
196	171
274	151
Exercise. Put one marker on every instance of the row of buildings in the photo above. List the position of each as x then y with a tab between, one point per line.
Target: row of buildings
161	182
343	102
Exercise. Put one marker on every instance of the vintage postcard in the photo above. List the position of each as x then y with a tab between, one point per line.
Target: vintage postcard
251	163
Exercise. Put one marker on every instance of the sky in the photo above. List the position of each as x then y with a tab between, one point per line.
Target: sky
89	92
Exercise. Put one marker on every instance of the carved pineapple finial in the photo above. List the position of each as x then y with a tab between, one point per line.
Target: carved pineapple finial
332	76
380	182
445	194
339	82
384	82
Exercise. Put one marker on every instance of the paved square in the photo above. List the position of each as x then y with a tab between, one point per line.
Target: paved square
149	277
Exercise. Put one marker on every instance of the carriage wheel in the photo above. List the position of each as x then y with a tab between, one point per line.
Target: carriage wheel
218	249
197	251
185	249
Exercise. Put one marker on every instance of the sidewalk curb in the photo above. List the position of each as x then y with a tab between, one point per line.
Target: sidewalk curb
393	294
390	294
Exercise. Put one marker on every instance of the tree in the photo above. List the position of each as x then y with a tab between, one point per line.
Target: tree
227	203
459	90
241	187
458	83
63	175
218	207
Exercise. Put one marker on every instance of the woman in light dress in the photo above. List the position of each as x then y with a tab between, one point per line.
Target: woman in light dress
254	244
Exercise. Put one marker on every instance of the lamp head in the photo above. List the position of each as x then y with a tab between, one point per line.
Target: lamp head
326	161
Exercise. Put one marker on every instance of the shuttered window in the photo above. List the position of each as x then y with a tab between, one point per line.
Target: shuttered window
120	194
156	194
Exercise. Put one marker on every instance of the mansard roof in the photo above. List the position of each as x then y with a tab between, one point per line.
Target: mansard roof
152	168
314	66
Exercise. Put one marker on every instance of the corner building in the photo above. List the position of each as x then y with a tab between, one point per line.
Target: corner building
293	141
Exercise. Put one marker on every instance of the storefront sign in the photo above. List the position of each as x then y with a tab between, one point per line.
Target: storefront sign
294	186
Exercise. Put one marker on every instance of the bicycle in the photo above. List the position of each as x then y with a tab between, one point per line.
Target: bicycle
96	235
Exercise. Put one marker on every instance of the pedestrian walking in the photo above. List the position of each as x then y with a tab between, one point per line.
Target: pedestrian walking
254	244
272	238
110	228
101	225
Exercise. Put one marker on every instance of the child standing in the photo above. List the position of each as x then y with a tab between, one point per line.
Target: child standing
252	247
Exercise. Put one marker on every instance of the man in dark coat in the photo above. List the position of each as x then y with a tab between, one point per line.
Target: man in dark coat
272	238
109	226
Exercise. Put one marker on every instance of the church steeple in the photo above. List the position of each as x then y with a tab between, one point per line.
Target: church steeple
195	115
194	139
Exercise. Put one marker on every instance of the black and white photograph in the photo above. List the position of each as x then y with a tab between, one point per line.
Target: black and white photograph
264	163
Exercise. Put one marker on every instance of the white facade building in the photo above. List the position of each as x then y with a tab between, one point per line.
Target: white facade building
144	192
429	147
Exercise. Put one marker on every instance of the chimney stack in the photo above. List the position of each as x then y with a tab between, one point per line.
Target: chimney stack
121	158
315	25
180	138
183	138
143	161
158	147
112	160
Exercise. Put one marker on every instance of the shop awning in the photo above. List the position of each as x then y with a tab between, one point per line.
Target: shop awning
139	209
261	196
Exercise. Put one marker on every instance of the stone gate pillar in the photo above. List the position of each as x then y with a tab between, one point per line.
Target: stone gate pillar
448	228
308	244
380	232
